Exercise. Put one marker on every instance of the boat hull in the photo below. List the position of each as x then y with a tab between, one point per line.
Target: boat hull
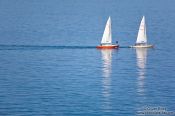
107	46
142	46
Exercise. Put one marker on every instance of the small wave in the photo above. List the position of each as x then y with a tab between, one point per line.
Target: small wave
45	47
124	46
41	47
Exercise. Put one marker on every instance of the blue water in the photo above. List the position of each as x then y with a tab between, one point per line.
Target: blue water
49	64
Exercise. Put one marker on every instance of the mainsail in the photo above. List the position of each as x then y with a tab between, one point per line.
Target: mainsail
142	38
107	35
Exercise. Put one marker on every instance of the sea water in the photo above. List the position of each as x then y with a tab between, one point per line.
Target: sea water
49	64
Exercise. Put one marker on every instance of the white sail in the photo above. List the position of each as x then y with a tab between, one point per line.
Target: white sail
142	38
107	35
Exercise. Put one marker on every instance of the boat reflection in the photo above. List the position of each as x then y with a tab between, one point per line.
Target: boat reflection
106	81
141	54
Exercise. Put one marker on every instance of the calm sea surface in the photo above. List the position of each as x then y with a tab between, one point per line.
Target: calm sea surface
49	64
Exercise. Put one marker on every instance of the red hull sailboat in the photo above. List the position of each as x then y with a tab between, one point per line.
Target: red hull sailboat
106	42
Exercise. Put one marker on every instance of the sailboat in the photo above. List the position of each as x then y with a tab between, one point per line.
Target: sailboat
141	41
106	42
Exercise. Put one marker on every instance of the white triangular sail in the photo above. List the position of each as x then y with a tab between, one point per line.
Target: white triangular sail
107	35
142	38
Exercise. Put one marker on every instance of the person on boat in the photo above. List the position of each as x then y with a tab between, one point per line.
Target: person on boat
116	42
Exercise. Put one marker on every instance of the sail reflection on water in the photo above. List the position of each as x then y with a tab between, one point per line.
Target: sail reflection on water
106	81
141	54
